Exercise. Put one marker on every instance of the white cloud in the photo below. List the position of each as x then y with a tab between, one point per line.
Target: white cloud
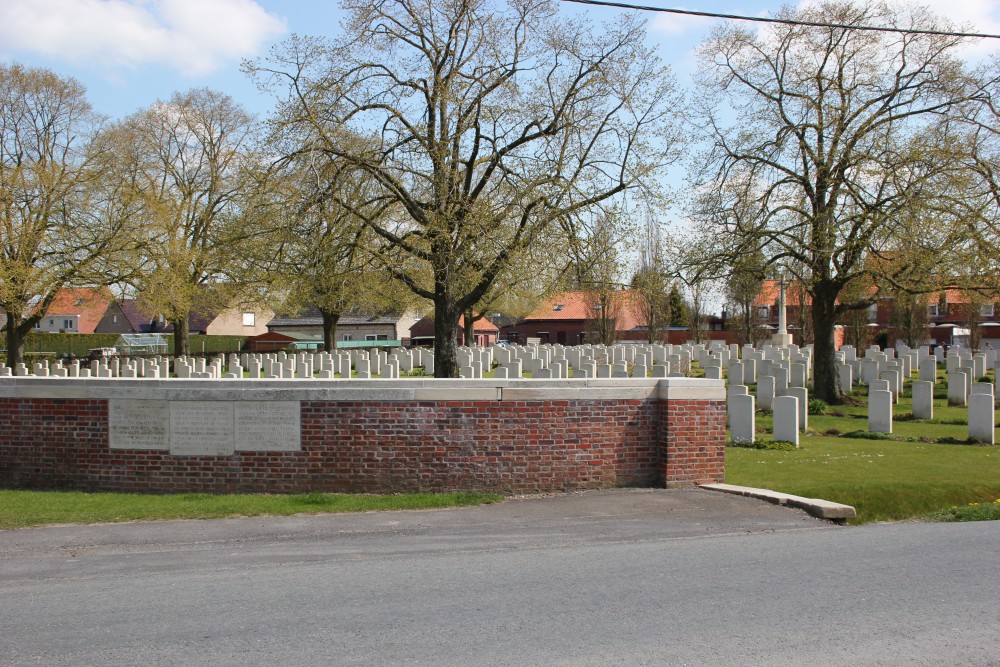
194	37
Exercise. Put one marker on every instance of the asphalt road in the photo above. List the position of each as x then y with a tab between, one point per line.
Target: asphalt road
668	577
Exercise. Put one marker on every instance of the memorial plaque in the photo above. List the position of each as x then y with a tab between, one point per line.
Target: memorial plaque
201	429
267	426
138	424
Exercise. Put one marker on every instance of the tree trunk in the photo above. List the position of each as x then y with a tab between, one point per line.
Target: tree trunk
330	321
826	379
15	341
446	316
469	329
182	336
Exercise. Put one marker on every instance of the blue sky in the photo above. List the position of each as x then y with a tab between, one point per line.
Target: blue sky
130	53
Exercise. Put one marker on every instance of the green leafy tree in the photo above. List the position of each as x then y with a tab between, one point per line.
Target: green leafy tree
57	227
189	157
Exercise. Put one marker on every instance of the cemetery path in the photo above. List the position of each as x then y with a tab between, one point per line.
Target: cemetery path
677	576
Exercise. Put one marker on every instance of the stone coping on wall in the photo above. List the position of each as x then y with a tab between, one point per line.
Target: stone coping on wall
433	390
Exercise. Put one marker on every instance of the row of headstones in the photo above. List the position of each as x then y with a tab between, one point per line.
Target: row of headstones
884	391
541	361
365	363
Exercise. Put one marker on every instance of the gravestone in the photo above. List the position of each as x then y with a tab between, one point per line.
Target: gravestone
786	419
733	390
802	395
893	378
928	370
743	426
765	392
957	387
846	376
797	375
923	399
879	411
982	418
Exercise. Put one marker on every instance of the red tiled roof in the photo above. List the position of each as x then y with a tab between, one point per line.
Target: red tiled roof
576	305
424	327
89	303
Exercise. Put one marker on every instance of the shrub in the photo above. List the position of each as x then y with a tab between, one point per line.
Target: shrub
818	407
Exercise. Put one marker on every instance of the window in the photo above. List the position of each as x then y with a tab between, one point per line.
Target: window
67	324
873	312
114	319
763	312
376	337
52	322
986	310
932	310
346	337
559	306
249	319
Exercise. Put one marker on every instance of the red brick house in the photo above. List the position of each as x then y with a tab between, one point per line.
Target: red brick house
950	316
76	310
567	319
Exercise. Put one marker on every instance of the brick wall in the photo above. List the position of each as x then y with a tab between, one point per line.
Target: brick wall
386	446
693	431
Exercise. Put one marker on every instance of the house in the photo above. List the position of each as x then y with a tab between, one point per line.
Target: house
953	317
131	316
486	332
75	310
352	327
134	316
568	319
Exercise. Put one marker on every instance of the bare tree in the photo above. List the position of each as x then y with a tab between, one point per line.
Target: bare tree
486	122
840	134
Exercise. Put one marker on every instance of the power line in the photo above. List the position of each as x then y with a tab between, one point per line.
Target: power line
759	19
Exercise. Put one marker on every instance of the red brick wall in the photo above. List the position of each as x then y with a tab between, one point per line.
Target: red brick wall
505	446
694	430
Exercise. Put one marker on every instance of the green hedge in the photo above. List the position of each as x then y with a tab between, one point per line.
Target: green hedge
81	344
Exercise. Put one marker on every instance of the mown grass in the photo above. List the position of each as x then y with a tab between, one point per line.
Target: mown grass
20	509
883	480
922	470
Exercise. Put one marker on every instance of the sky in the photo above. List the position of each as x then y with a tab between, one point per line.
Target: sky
131	53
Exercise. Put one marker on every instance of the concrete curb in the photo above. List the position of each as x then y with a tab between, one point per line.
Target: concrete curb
821	509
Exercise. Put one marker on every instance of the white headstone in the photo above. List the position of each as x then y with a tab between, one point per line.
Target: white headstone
957	385
802	394
982	419
928	370
880	411
786	419
765	392
923	399
743	419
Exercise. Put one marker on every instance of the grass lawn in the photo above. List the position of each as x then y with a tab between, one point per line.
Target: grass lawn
20	509
911	473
